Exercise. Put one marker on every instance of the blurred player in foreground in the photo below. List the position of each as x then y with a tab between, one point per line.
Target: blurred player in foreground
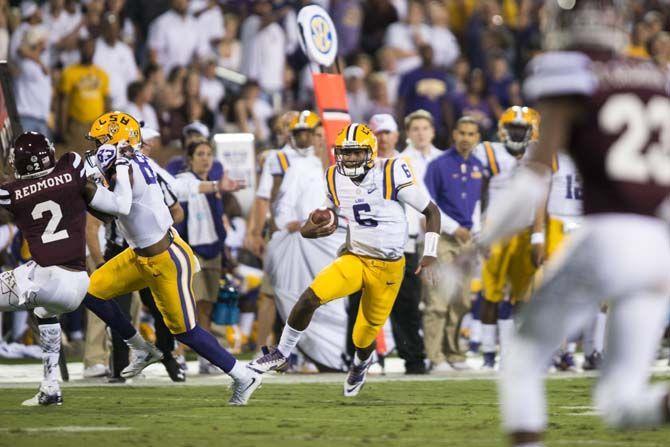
610	113
368	193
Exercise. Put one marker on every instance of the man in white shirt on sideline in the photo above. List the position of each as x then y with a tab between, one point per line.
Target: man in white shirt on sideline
31	17
116	58
173	36
32	83
405	316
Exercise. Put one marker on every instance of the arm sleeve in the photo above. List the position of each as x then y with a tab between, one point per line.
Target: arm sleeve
119	201
264	190
413	196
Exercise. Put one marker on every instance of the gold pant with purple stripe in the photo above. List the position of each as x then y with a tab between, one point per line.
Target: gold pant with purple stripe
169	275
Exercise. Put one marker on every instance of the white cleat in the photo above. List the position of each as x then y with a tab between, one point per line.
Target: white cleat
271	360
49	394
355	380
243	389
140	359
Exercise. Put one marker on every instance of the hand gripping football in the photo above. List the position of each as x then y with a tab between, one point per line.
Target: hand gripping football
323	217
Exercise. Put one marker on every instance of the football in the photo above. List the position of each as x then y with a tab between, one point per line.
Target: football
323	216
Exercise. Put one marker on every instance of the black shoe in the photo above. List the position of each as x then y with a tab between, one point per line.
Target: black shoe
174	369
116	379
416	368
592	361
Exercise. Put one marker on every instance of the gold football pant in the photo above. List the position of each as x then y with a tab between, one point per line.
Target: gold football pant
380	281
169	275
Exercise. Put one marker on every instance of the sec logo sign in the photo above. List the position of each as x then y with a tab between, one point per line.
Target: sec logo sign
318	35
322	36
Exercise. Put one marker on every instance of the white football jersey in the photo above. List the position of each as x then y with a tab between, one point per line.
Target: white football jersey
149	217
565	197
372	211
500	164
276	163
302	190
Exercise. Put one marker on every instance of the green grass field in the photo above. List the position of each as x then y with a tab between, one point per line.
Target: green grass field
393	413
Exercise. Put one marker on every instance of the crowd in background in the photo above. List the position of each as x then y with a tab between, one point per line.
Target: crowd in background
236	66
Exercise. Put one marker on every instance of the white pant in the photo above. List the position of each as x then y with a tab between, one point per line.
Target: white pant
622	258
49	290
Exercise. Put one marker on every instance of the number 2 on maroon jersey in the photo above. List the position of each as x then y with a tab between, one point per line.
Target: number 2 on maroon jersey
50	234
633	157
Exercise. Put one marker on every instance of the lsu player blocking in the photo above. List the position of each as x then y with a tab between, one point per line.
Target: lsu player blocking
368	193
156	258
509	266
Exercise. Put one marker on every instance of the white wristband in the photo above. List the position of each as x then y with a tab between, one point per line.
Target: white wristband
537	238
430	244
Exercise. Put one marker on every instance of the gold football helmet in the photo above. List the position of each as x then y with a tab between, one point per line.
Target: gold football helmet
355	137
305	120
517	127
115	127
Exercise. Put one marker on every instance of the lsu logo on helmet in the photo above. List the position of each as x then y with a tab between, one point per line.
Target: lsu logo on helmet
116	127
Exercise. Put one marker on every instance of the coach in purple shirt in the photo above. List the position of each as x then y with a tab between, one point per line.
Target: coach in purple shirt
454	181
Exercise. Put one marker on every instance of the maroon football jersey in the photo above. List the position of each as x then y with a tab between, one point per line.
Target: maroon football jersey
50	211
621	146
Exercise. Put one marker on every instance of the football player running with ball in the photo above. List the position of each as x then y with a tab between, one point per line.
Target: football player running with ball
368	194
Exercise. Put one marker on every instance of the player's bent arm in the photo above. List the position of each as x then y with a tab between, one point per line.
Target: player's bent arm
119	201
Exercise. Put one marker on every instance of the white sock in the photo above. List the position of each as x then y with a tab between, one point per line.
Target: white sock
476	331
571	347
136	342
239	371
50	338
289	339
489	337
506	328
247	323
599	332
19	325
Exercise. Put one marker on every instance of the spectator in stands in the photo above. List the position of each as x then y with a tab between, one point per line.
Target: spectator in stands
357	93
117	60
379	99
140	95
126	26
428	88
659	48
84	96
31	17
388	66
211	88
454	181
230	48
638	41
263	49
61	22
473	103
210	25
347	16
503	88
407	36
173	37
378	15
252	113
32	83
444	43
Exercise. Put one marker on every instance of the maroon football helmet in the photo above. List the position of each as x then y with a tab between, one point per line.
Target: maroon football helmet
33	155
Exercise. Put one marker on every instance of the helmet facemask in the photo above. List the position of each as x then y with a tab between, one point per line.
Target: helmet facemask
516	136
303	151
353	168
